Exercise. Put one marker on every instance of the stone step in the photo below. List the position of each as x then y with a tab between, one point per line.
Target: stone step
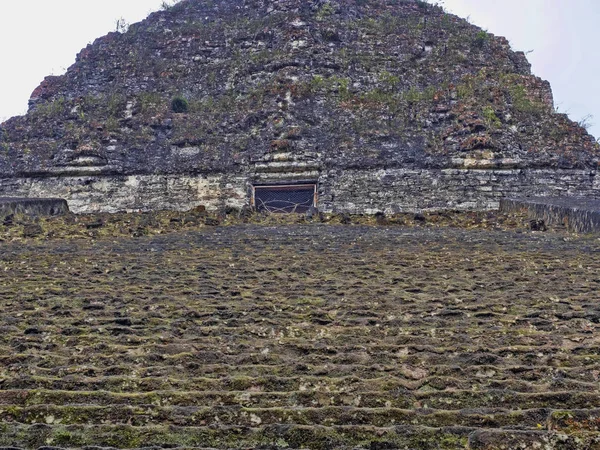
273	351
283	436
501	398
513	439
126	384
399	398
75	379
209	364
329	360
575	420
341	334
246	399
202	415
292	437
337	341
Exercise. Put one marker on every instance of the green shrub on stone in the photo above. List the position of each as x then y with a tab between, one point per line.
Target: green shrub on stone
325	11
490	116
180	105
480	39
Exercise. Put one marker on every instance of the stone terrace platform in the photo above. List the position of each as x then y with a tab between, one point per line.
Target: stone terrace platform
581	215
33	206
302	337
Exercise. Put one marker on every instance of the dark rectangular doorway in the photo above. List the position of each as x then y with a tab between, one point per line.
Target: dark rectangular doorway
285	198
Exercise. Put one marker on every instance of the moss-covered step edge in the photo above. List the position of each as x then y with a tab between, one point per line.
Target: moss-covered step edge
283	436
568	421
437	357
574	421
149	415
517	379
399	399
272	365
292	437
546	440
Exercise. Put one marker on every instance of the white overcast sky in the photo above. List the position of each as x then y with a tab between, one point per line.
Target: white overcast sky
42	37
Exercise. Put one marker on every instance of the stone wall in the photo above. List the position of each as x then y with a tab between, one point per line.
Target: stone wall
399	190
33	206
581	215
353	191
89	194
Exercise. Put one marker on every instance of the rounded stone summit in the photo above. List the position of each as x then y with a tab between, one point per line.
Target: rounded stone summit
352	106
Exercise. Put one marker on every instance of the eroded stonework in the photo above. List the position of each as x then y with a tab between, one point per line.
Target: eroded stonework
132	193
353	191
388	105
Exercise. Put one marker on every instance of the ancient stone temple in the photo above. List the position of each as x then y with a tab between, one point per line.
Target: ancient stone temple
349	105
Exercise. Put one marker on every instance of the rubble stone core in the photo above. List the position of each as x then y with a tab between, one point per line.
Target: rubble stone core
389	105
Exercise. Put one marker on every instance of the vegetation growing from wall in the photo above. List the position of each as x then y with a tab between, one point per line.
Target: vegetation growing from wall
362	76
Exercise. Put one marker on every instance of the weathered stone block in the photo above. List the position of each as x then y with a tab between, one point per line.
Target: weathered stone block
33	206
578	214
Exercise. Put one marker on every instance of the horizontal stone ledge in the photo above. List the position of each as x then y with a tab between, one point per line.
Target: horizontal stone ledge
556	175
75	170
286	167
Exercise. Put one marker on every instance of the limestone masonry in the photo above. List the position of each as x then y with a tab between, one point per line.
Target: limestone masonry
382	105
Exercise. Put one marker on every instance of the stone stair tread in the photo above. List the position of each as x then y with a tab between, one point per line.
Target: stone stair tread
288	436
360	362
354	437
513	439
214	371
442	400
203	415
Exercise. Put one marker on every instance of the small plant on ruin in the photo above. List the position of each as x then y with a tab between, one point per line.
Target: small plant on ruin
325	11
490	116
586	122
481	38
180	105
167	5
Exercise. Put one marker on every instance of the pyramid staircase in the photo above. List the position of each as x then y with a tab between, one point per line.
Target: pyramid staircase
301	338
